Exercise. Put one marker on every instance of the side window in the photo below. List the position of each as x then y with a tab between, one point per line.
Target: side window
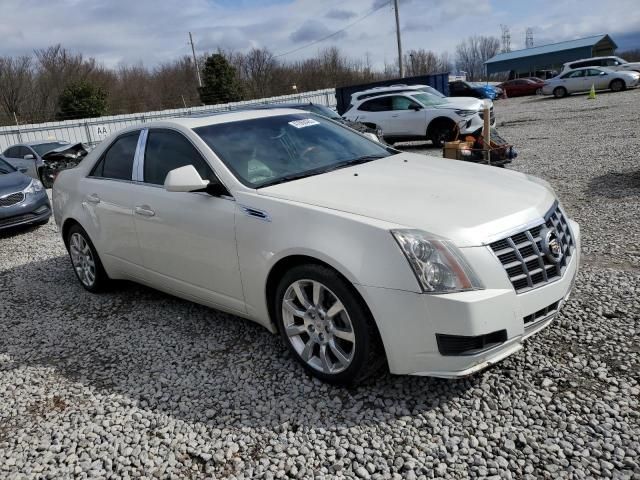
592	72
577	74
12	152
402	103
611	62
117	161
376	105
24	151
167	150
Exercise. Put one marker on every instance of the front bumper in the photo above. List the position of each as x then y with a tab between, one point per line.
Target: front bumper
410	338
34	209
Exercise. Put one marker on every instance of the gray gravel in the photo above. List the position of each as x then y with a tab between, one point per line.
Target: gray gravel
135	383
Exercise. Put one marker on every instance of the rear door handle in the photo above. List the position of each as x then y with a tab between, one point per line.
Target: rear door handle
145	211
93	198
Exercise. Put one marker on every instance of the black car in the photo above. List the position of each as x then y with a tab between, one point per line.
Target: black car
374	134
23	200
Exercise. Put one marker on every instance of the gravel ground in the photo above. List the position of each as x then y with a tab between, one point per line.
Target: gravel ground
136	383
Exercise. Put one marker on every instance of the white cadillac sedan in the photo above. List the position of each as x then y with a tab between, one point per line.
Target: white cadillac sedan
358	255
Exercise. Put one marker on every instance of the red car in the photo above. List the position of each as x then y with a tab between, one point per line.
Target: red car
522	86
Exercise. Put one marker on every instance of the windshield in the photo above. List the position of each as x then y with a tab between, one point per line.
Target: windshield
432	91
5	167
269	150
429	100
43	148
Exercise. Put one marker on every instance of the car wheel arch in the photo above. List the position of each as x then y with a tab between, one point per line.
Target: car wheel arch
439	121
285	264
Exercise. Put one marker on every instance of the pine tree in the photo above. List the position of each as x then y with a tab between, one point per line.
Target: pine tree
219	81
81	100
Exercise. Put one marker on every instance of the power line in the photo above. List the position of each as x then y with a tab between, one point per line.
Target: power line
371	12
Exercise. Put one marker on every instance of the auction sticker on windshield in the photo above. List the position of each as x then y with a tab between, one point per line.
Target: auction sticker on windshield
307	122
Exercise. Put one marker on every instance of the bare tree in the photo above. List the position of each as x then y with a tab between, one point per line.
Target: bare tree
473	52
16	77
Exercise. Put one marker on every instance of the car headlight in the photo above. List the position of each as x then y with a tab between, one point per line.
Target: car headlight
437	263
34	187
466	113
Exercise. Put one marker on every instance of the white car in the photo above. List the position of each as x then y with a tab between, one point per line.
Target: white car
357	254
414	113
612	62
581	80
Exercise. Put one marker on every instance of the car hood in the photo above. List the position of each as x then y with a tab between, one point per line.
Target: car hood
13	182
467	203
465	103
71	151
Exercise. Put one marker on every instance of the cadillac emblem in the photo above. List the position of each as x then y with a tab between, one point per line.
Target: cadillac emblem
551	245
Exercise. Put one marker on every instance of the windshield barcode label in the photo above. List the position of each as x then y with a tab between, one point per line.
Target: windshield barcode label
307	122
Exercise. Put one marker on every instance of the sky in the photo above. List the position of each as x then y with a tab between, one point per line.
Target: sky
154	31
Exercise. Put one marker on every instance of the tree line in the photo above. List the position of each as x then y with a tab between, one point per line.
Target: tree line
56	84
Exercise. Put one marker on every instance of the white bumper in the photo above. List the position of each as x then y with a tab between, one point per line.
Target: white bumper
409	322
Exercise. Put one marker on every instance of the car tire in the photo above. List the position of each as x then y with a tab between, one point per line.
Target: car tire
45	178
326	325
539	91
85	260
559	92
617	85
441	133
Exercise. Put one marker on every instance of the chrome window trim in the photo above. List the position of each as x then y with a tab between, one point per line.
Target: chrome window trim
138	159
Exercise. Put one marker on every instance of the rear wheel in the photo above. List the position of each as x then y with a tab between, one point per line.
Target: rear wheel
85	260
326	326
617	85
559	92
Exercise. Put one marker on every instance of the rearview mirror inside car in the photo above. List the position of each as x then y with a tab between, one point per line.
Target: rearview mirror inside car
184	179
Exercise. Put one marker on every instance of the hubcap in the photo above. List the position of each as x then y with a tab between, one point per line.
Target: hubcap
82	259
318	326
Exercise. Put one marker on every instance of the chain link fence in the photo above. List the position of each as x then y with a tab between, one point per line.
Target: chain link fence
92	131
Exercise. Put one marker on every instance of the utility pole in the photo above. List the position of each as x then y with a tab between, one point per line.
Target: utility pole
195	60
395	2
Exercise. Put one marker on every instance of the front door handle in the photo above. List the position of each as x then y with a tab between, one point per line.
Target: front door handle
145	211
93	198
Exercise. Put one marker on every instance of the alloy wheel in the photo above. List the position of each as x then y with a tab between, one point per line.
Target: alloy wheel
318	326
82	259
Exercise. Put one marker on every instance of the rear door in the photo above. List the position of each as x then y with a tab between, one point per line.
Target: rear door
377	111
108	196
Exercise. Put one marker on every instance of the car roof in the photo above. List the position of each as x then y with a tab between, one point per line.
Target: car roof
213	118
388	88
590	58
39	142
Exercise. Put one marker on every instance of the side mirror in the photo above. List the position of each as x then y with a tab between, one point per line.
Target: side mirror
603	73
184	179
29	156
416	108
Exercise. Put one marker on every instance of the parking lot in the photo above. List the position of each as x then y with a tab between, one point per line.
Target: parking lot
136	383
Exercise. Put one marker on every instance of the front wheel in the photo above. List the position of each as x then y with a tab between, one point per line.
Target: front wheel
617	85
539	91
326	326
47	176
440	134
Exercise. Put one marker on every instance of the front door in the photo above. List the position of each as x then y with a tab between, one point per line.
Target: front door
407	117
575	81
187	239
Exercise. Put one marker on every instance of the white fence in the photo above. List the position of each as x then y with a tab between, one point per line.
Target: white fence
93	130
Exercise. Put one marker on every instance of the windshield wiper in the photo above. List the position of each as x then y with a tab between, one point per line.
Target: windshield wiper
318	171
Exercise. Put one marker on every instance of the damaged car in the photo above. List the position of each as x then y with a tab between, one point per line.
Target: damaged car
43	159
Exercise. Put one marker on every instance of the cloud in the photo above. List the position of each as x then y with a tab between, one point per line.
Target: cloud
339	14
312	30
